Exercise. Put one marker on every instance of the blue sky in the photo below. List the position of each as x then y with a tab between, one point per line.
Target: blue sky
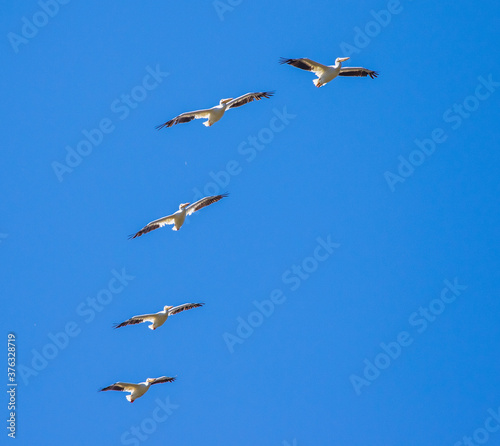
351	276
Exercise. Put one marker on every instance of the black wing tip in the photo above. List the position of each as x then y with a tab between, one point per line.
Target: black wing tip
297	63
165	124
220	196
166	379
137	234
374	74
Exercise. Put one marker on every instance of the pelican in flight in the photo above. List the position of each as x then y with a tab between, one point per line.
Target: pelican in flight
177	218
158	319
326	73
213	114
137	390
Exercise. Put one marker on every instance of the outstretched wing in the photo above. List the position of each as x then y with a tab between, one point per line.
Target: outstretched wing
136	320
168	220
305	64
249	97
121	387
204	202
357	71
183	307
163	379
185	117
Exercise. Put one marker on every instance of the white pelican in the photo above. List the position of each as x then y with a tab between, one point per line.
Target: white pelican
215	113
158	319
137	390
177	218
326	73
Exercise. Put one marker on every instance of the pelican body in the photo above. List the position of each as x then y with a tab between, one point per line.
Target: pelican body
180	216
331	72
217	112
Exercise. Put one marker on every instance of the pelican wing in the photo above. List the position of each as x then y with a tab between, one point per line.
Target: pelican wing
249	97
183	307
137	320
185	117
306	64
121	387
357	71
163	379
168	220
204	202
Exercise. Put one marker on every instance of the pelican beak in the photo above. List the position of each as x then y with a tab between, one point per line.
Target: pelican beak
343	59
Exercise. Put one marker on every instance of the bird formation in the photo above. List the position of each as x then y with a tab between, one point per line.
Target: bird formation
325	74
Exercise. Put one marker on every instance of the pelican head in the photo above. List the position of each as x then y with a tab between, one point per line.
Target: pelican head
225	101
183	206
150	380
341	59
167	307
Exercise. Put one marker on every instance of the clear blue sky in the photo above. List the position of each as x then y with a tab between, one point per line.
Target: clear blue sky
362	238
